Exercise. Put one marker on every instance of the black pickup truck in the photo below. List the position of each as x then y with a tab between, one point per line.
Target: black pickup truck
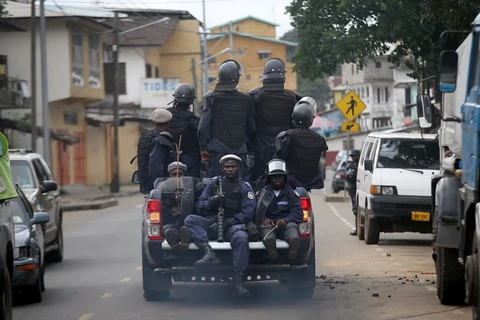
160	266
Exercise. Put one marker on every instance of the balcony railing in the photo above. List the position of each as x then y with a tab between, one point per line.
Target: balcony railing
16	95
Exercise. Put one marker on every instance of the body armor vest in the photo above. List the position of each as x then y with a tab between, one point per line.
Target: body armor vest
182	124
273	111
144	148
304	153
233	196
229	116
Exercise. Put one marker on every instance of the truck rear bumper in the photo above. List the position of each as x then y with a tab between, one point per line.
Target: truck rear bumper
222	246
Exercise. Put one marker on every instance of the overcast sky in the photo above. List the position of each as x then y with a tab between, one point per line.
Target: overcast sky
217	11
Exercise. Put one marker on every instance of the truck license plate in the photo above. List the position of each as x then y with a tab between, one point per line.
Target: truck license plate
420	216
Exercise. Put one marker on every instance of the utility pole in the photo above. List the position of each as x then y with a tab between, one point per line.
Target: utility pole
230	36
205	53
194	78
45	107
115	185
33	76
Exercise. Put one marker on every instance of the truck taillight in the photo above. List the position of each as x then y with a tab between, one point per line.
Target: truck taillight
304	227
154	223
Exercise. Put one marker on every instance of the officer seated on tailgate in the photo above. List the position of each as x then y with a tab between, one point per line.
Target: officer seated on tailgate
283	211
179	195
238	201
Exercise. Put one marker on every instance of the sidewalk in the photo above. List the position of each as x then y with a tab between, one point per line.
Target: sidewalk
81	197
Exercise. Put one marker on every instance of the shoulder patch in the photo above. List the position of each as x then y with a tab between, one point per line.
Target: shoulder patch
250	195
296	193
248	184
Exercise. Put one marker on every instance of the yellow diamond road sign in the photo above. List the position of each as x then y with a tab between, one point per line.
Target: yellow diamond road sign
350	127
351	106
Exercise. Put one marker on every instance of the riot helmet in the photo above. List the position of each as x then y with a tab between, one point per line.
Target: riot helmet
303	112
276	166
229	72
274	71
184	94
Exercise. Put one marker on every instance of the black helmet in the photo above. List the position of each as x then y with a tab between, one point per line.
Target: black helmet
303	112
274	71
229	72
276	166
184	94
355	153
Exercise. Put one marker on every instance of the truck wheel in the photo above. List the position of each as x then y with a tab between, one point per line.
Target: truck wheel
450	277
6	295
57	254
302	284
472	281
360	226
372	229
153	285
34	294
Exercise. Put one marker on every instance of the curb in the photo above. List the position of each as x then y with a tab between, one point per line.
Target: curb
114	195
94	205
337	198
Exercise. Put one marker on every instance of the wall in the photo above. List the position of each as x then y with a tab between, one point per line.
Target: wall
129	134
250	26
135	70
97	161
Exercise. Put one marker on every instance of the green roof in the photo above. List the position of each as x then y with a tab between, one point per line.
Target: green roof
288	43
243	19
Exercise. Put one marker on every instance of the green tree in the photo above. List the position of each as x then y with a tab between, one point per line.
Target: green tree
333	32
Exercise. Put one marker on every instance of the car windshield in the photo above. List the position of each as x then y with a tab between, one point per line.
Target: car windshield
409	154
22	174
20	215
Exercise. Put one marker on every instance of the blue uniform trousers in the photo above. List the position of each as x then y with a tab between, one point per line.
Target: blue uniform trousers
236	235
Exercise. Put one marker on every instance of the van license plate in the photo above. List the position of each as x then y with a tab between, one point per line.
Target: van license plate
420	216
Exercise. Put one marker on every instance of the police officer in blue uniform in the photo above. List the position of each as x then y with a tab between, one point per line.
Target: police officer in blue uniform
273	112
178	205
351	182
283	213
184	124
302	148
227	124
239	204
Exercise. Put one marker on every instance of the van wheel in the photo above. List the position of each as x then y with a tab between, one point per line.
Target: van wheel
372	229
360	226
57	254
6	294
450	277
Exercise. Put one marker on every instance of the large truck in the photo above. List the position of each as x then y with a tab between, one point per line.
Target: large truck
456	190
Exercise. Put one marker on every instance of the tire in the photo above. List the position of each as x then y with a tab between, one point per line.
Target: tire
57	254
6	296
475	284
42	278
34	293
372	229
450	277
360	229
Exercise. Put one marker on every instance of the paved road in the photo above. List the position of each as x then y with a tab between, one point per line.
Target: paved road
100	277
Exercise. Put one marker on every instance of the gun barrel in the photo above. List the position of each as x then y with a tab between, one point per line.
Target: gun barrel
220	216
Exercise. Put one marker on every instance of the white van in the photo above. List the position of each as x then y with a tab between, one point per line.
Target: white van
393	184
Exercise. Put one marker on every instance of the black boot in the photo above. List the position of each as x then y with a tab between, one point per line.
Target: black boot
184	235
353	233
239	289
209	256
171	237
271	246
294	248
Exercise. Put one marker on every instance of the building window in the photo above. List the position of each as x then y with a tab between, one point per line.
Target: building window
408	97
264	54
108	70
148	70
378	95
378	64
357	67
94	79
77	58
157	72
362	93
386	94
238	29
368	92
353	69
248	77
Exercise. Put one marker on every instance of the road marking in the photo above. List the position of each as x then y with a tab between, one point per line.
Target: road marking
378	249
335	212
138	268
108	295
86	316
139	206
431	288
457	312
126	279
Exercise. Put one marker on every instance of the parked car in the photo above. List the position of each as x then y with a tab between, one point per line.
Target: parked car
34	177
394	184
7	238
338	181
29	249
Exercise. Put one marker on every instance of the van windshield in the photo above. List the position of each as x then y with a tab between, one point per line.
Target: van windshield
409	154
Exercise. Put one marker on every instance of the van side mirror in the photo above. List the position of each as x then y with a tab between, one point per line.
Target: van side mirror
368	165
425	111
135	177
448	71
49	185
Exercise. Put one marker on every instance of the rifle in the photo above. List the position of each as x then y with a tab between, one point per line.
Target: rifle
221	214
177	194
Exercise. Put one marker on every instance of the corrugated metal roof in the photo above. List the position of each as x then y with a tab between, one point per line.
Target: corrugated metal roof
243	19
288	43
21	10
